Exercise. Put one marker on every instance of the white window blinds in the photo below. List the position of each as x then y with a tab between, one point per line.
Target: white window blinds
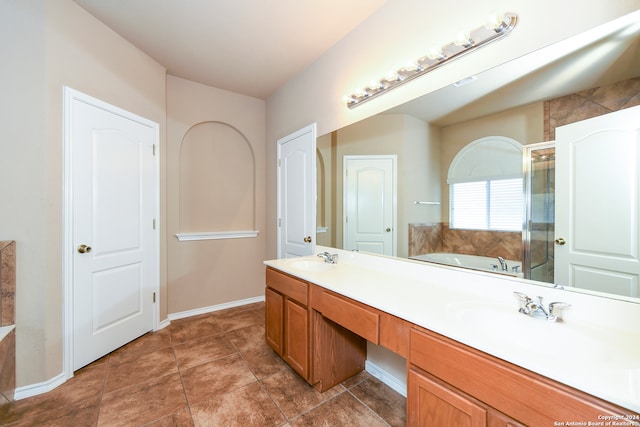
487	205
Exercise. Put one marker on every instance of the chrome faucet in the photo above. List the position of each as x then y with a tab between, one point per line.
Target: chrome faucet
329	258
535	308
503	264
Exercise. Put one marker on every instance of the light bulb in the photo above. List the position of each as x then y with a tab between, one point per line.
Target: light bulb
391	76
436	52
496	22
463	39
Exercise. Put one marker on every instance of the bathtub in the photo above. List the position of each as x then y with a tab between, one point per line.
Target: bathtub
474	262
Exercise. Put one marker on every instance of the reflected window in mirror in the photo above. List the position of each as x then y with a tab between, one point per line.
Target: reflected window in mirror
494	205
485	185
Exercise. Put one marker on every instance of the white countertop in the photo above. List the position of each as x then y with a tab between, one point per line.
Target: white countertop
596	349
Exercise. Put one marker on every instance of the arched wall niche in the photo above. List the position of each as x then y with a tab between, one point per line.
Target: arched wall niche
217	188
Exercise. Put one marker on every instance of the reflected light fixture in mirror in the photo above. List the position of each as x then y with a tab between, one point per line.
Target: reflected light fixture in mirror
498	26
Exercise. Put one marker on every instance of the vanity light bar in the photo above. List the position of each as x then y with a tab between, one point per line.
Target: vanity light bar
498	27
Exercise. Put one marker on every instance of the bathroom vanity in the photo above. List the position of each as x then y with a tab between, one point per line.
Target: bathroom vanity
472	359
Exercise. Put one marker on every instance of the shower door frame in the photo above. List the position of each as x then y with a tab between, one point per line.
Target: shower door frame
526	224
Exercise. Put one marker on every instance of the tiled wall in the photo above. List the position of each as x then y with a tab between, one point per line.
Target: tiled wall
427	238
7	318
7	283
589	103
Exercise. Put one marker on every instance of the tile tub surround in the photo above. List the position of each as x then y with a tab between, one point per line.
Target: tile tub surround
7	321
212	369
7	282
431	296
438	237
7	368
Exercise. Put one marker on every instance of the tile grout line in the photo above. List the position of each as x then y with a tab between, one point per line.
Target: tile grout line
367	406
104	384
184	391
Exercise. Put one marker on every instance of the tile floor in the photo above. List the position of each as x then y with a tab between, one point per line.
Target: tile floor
209	370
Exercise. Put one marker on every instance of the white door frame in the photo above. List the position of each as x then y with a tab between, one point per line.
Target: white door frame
71	95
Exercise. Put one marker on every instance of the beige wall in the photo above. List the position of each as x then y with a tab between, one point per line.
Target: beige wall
206	273
382	43
45	45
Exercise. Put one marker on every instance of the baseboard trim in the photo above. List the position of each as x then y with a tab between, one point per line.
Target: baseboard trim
212	308
163	324
395	383
39	388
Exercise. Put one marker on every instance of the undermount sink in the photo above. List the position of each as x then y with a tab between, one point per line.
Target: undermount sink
311	265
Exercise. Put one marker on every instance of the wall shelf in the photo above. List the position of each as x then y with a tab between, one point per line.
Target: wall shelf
216	235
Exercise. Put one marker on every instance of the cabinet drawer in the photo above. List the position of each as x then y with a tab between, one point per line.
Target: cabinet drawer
521	394
394	334
287	285
354	316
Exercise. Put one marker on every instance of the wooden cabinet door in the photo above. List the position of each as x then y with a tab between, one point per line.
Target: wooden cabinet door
296	326
430	404
274	320
498	419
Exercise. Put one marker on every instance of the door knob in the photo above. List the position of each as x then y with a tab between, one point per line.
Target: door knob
307	239
84	249
388	229
560	241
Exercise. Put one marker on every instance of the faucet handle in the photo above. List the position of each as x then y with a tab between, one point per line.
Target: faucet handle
557	309
523	299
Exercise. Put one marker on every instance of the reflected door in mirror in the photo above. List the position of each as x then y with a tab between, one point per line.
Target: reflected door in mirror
369	208
598	203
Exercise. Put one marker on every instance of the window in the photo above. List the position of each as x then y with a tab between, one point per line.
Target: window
485	185
486	205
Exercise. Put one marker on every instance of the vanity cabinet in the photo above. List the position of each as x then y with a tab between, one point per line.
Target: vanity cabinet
323	336
287	320
453	384
320	348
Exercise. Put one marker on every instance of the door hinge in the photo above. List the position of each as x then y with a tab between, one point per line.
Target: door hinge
154	223
279	162
279	222
154	297
154	149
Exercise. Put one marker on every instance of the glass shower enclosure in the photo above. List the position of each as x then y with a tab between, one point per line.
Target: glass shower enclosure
539	220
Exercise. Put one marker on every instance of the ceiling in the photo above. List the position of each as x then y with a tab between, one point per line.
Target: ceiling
251	47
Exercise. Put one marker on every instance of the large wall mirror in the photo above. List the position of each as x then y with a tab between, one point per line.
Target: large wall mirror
525	100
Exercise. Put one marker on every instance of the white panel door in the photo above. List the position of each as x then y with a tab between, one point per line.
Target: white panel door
369	204
297	193
114	192
597	203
